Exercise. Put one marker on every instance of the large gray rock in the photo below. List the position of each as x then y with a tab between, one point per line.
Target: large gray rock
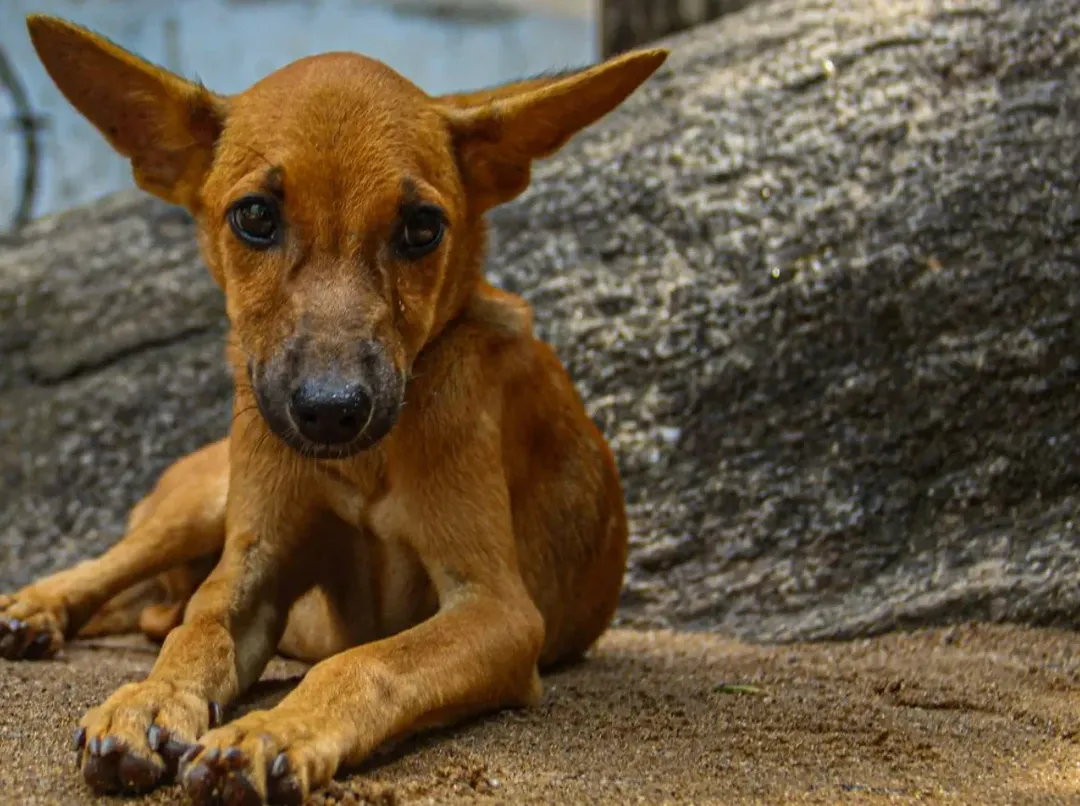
819	282
626	24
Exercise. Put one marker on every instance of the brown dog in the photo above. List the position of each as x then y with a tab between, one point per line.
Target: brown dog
412	495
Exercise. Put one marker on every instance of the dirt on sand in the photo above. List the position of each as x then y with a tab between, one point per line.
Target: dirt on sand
974	714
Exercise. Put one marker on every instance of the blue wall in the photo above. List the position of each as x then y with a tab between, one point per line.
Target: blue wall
229	44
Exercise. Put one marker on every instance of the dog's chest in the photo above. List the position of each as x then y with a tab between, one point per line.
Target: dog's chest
348	500
395	591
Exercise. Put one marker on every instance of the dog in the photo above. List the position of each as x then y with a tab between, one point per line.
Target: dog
411	497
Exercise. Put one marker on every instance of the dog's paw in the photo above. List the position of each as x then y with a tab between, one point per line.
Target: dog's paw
31	626
276	756
135	739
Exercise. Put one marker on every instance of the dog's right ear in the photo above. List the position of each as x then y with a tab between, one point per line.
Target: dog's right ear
165	125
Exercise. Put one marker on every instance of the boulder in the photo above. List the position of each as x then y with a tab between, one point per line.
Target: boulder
626	24
818	282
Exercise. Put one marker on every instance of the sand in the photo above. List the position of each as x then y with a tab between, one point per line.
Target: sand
973	714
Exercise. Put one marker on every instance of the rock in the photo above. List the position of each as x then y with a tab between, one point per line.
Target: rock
626	24
818	282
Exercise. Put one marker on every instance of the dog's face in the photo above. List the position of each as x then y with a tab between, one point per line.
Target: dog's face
338	225
339	206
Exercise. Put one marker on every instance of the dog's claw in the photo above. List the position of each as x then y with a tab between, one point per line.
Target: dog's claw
217	778
189	754
233	757
215	715
155	737
111	767
171	753
78	740
133	740
31	628
246	767
283	788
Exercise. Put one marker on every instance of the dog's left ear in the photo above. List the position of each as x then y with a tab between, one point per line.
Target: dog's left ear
498	133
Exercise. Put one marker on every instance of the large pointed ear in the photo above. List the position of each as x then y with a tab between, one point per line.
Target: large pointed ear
499	132
165	125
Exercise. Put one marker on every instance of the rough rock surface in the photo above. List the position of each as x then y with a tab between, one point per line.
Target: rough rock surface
626	24
818	282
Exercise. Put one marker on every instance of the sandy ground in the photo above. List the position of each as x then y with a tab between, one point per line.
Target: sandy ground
975	715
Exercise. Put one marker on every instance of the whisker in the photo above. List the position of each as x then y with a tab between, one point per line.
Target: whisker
258	444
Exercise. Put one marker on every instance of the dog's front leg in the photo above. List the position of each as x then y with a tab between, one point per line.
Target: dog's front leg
477	653
231	627
181	520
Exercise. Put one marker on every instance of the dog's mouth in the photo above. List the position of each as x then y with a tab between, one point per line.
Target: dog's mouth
323	450
327	417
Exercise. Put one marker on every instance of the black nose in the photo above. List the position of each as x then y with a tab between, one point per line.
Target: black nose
330	410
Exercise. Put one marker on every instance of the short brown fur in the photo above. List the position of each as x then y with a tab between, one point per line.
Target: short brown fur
430	560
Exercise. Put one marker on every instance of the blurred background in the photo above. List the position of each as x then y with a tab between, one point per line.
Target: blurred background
51	158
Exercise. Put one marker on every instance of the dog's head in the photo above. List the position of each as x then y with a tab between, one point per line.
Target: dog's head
338	206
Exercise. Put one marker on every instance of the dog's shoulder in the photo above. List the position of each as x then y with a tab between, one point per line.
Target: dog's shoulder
493	337
489	346
500	313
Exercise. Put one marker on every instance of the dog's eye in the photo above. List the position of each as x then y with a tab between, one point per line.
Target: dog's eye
255	220
421	232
